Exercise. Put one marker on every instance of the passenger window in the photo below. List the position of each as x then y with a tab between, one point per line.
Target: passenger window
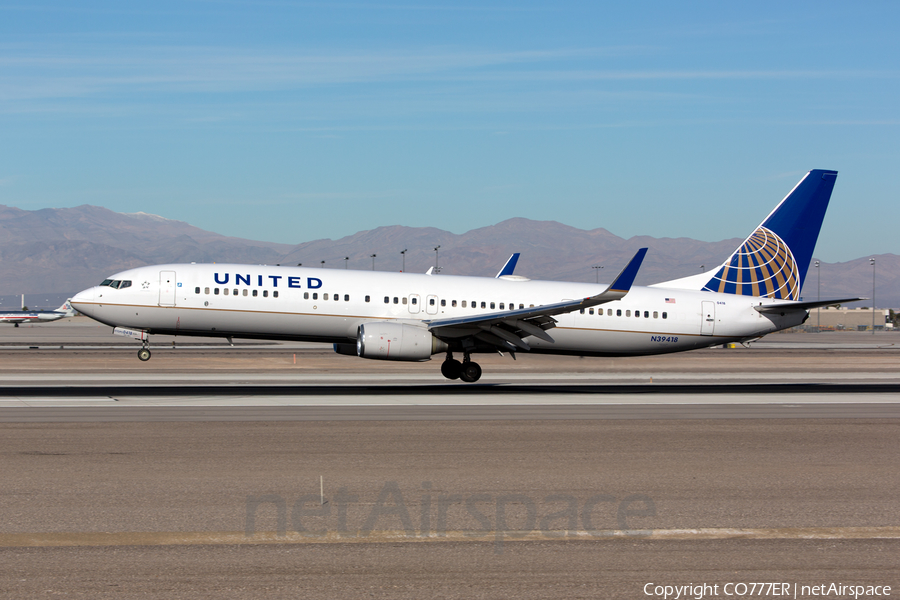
396	300
492	306
628	313
655	314
225	292
502	306
265	293
315	295
306	295
608	312
431	301
368	298
245	292
618	312
216	292
347	298
646	314
196	290
443	303
463	303
665	315
483	304
255	293
387	300
325	296
206	291
337	297
275	294
590	311
453	304
521	306
581	311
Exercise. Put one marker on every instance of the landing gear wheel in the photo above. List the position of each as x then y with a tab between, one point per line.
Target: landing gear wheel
144	354
471	372
451	368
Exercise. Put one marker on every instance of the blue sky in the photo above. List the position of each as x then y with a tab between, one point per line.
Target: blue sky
291	121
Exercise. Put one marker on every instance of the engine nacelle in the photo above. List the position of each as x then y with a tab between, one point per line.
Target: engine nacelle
396	341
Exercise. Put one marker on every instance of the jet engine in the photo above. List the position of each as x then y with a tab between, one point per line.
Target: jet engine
396	341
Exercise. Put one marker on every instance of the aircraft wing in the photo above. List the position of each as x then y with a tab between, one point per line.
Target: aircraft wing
781	307
506	329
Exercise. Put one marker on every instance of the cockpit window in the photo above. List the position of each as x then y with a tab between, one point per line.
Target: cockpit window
106	282
125	284
115	284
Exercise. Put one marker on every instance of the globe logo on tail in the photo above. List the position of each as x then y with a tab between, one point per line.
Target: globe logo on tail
763	266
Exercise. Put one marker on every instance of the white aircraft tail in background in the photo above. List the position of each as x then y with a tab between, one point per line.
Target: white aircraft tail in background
38	316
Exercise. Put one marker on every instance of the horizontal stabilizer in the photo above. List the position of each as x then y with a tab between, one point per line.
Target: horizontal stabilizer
781	307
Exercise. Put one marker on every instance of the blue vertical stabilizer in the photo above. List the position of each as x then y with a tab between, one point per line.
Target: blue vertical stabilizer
773	261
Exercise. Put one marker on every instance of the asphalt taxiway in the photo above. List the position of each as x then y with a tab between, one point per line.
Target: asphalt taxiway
285	470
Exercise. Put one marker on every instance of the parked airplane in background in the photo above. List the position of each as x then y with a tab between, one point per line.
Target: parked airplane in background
37	316
407	316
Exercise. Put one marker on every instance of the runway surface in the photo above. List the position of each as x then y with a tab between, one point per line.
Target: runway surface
202	473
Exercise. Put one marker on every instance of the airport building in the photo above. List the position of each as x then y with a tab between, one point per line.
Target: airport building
848	319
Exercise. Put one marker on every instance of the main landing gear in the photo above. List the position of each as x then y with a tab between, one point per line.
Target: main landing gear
468	371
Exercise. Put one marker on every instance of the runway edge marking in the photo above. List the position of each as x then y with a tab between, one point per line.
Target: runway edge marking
232	538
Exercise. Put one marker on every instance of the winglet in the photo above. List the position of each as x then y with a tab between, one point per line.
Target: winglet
626	278
510	266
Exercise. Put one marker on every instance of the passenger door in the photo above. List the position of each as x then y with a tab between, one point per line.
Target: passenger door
431	305
708	318
167	288
414	303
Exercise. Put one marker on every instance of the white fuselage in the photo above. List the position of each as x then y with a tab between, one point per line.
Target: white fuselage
324	305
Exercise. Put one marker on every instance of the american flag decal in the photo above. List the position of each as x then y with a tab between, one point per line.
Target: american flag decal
670	300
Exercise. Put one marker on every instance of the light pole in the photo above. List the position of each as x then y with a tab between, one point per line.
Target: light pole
818	297
702	268
346	260
597	271
872	262
403	253
323	264
437	268
373	261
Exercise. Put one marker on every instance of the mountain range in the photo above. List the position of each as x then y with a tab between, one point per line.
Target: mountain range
68	249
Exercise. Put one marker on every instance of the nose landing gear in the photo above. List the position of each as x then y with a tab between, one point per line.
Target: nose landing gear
144	352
